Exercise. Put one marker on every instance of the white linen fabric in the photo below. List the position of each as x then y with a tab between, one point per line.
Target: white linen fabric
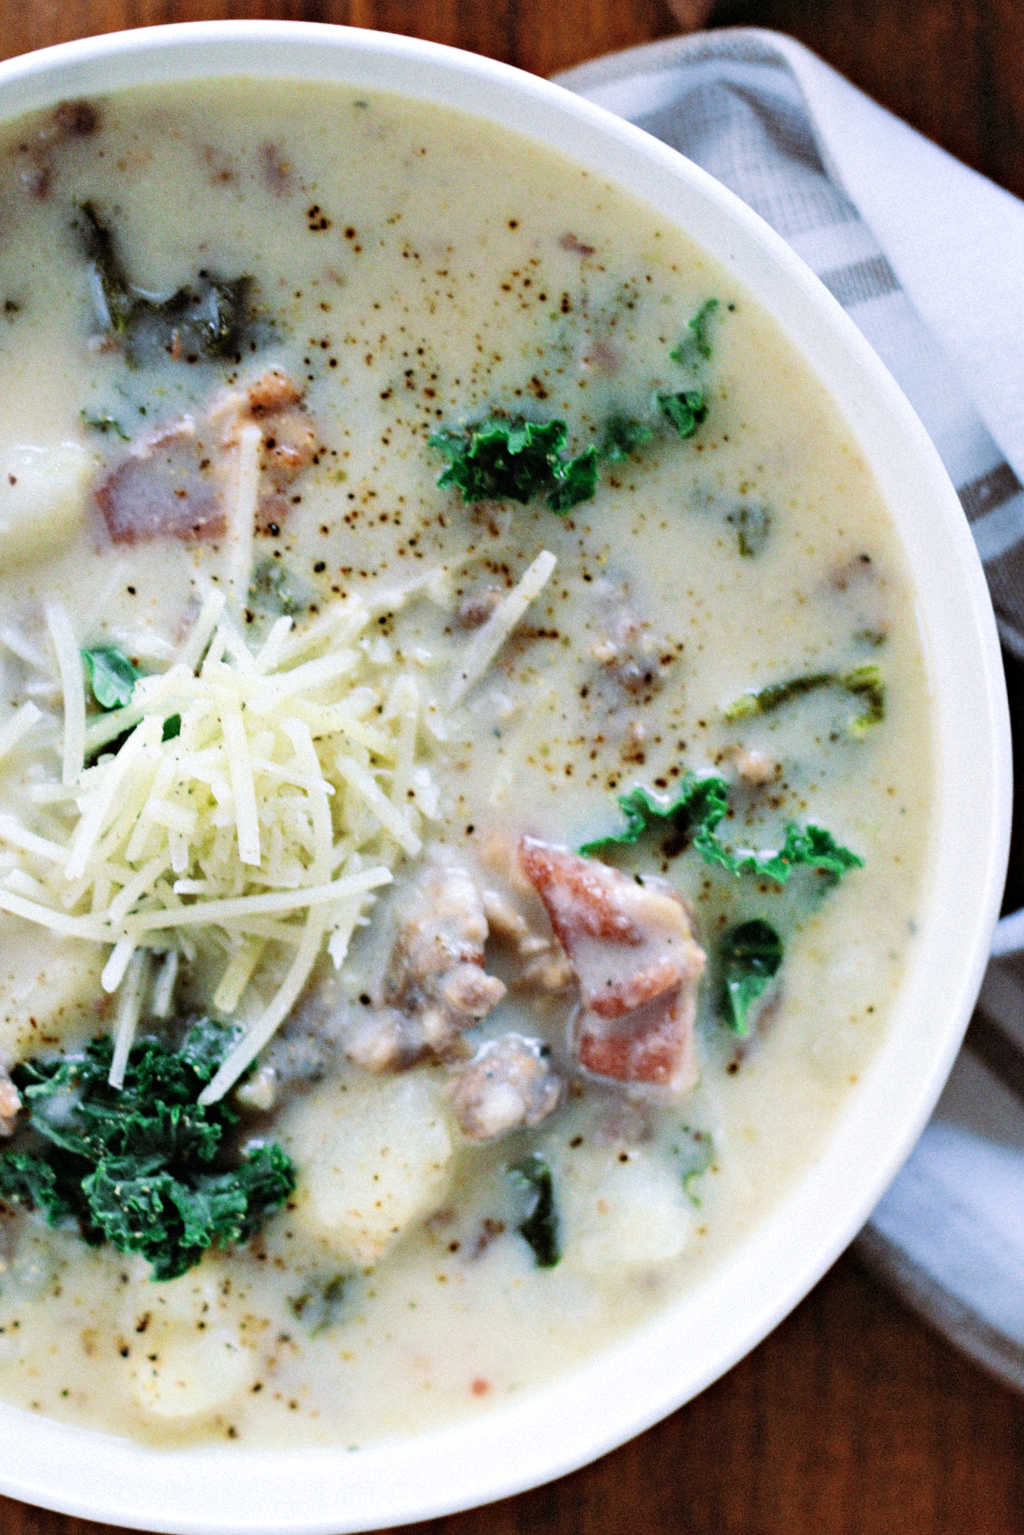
928	259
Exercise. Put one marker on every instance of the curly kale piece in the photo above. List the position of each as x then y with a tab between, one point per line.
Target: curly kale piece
533	1185
507	458
750	954
685	410
695	346
143	1167
208	318
864	683
622	437
690	815
753	524
691	819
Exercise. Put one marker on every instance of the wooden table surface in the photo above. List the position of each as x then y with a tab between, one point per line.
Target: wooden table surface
852	1418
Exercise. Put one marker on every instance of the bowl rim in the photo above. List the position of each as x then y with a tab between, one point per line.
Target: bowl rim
554	1429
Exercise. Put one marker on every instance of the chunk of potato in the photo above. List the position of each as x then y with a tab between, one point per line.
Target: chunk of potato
42	497
628	1209
188	1360
49	990
374	1157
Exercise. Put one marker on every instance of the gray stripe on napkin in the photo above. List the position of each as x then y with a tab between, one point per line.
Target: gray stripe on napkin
1003	1057
861	281
991	489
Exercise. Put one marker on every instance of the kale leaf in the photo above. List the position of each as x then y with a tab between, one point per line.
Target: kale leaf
321	1303
207	318
750	954
507	458
622	437
111	675
143	1167
685	409
691	815
753	523
695	347
864	683
539	1225
697	1152
103	422
803	847
692	818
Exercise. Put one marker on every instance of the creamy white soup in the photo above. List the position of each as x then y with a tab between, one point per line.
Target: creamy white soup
465	764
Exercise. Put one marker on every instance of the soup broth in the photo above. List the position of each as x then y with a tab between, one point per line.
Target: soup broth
544	843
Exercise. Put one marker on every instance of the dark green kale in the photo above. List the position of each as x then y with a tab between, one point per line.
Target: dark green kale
538	1224
114	293
685	409
507	458
695	346
803	847
101	421
691	815
753	527
697	1153
750	955
576	481
864	683
144	1167
40	1184
111	675
320	1304
622	437
772	697
207	318
274	590
691	819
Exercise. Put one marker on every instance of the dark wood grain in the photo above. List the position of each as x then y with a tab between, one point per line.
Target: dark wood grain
852	1418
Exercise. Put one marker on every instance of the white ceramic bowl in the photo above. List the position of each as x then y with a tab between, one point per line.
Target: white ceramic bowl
687	1346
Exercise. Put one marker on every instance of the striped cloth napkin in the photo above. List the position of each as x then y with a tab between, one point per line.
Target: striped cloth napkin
928	258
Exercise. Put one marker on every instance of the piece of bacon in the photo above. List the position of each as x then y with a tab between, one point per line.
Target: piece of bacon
176	482
637	962
165	488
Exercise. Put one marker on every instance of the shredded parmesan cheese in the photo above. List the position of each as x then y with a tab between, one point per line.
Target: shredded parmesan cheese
17	727
242	515
129	1011
72	681
260	830
491	635
254	834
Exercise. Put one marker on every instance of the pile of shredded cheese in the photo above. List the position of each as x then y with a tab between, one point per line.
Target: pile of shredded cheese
293	785
258	800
